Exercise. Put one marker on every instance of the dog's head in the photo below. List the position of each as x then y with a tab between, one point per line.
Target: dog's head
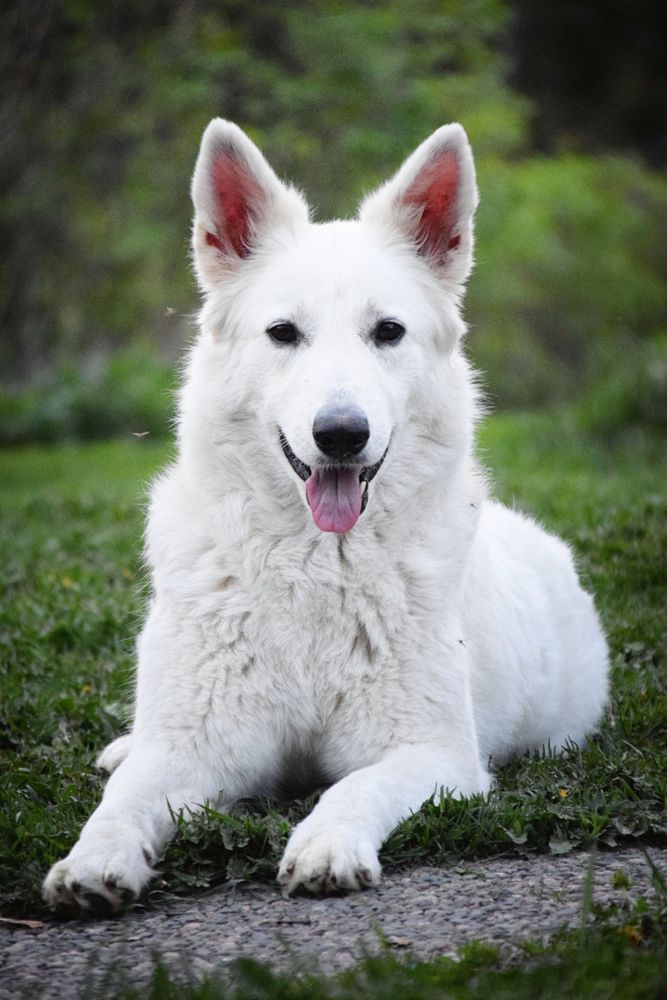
329	352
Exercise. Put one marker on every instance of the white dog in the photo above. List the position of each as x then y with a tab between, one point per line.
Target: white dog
336	600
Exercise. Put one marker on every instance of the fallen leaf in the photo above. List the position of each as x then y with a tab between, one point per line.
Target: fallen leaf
33	925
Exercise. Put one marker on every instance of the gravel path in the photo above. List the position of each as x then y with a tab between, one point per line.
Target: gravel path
421	911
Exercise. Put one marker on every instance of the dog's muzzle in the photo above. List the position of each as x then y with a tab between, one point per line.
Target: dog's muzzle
337	493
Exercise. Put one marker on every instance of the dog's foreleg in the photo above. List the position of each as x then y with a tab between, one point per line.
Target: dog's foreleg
336	846
113	859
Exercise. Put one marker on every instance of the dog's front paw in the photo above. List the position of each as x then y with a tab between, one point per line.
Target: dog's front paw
99	876
327	862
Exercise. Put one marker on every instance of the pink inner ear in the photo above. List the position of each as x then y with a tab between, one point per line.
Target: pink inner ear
435	188
237	195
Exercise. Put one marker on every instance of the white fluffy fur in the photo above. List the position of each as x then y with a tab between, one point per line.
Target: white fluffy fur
441	633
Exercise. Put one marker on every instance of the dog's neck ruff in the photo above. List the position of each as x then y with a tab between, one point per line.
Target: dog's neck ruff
337	495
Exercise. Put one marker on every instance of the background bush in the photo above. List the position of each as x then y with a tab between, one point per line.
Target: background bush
569	285
129	391
102	108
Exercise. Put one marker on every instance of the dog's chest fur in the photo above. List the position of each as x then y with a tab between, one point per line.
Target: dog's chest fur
309	646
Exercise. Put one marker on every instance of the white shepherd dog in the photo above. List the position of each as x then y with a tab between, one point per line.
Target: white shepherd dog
336	600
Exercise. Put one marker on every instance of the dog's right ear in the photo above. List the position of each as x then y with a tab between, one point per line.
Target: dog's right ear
237	199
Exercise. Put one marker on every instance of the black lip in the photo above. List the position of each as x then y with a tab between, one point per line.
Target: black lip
303	471
368	473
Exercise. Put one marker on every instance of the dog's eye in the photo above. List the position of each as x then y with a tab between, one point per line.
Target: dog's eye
388	331
283	333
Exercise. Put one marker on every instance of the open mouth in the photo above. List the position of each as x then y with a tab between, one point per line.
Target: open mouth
337	494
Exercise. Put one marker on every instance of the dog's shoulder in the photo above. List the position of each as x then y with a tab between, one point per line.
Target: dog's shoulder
184	547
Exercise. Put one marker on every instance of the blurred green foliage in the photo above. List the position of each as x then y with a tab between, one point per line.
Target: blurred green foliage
101	113
128	391
569	287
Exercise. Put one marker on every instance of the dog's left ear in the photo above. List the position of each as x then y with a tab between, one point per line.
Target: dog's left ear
238	201
432	201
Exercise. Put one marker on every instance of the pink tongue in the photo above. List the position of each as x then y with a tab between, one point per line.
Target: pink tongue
334	496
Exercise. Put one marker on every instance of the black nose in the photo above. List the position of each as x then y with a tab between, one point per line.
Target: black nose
341	434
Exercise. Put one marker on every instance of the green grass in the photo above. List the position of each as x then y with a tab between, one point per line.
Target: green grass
72	594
